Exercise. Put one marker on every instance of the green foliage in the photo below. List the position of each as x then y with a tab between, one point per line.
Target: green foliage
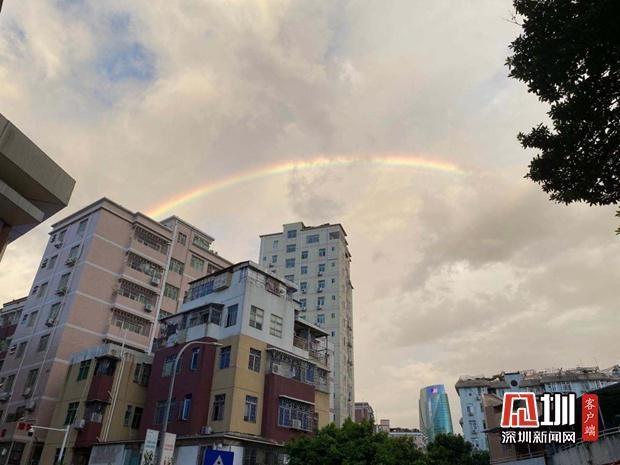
357	444
568	54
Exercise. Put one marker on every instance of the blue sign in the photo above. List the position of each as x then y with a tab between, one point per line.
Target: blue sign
218	457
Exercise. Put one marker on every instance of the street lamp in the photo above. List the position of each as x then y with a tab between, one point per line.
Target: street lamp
164	426
64	440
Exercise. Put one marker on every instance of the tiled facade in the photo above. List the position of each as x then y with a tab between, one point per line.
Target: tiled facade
106	276
317	260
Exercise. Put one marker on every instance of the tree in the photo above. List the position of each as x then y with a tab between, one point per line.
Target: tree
353	444
449	449
568	54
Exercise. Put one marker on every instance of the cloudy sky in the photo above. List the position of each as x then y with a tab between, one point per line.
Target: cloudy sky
454	273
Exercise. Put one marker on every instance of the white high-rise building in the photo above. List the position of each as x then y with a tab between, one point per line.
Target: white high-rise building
317	260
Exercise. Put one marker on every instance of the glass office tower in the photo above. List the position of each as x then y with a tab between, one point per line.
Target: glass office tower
435	415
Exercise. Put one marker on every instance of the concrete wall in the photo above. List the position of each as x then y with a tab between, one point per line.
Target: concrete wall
605	451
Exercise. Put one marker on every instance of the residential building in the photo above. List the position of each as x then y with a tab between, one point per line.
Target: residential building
32	186
265	383
434	409
415	434
317	260
106	276
471	390
364	412
10	314
102	400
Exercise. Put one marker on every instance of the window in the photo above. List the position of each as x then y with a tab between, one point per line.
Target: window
256	317
303	285
71	413
82	227
64	281
291	234
219	401
176	266
333	316
290	263
21	348
8	384
304	254
54	311
187	407
160	412
73	253
171	292
312	239
274	259
142	373
254	361
137	418
84	369
321	284
128	415
334	235
61	235
42	290
302	302
201	242
231	315
321	252
249	413
32	318
320	301
275	244
197	263
52	262
169	366
181	238
193	363
225	357
290	410
320	319
321	267
304	269
45	339
275	328
290	277
291	248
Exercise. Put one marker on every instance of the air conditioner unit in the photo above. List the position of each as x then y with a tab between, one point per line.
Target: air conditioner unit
50	322
320	273
27	392
70	261
30	405
271	265
12	349
148	307
4	396
318	307
275	368
44	263
61	290
303	291
320	289
206	430
58	244
155	280
296	424
79	424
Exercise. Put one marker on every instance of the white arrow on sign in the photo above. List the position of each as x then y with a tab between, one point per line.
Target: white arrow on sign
219	461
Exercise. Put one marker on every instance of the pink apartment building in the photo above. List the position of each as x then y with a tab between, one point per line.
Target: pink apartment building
107	275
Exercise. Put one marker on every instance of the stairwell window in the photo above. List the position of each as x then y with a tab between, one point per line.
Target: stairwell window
254	360
71	413
43	342
231	315
82	227
219	403
225	353
171	292
193	363
181	238
275	328
187	407
21	348
256	317
137	418
249	413
128	414
84	369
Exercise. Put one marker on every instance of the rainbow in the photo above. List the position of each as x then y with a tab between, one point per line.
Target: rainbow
398	161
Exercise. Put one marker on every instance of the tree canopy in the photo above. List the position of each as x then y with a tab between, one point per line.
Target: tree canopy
568	54
358	444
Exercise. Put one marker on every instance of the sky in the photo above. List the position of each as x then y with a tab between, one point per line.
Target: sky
468	270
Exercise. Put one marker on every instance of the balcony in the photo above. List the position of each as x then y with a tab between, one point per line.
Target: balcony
132	296
149	244
312	340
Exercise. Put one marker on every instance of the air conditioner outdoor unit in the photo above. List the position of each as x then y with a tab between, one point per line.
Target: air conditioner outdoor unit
27	392
4	396
61	290
320	273
148	307
79	424
320	289
44	263
30	405
206	430
50	322
318	307
70	261
296	424
275	368
12	349
155	280
303	291
271	265
58	244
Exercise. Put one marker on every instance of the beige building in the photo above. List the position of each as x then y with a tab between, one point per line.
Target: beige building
32	186
106	276
318	261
